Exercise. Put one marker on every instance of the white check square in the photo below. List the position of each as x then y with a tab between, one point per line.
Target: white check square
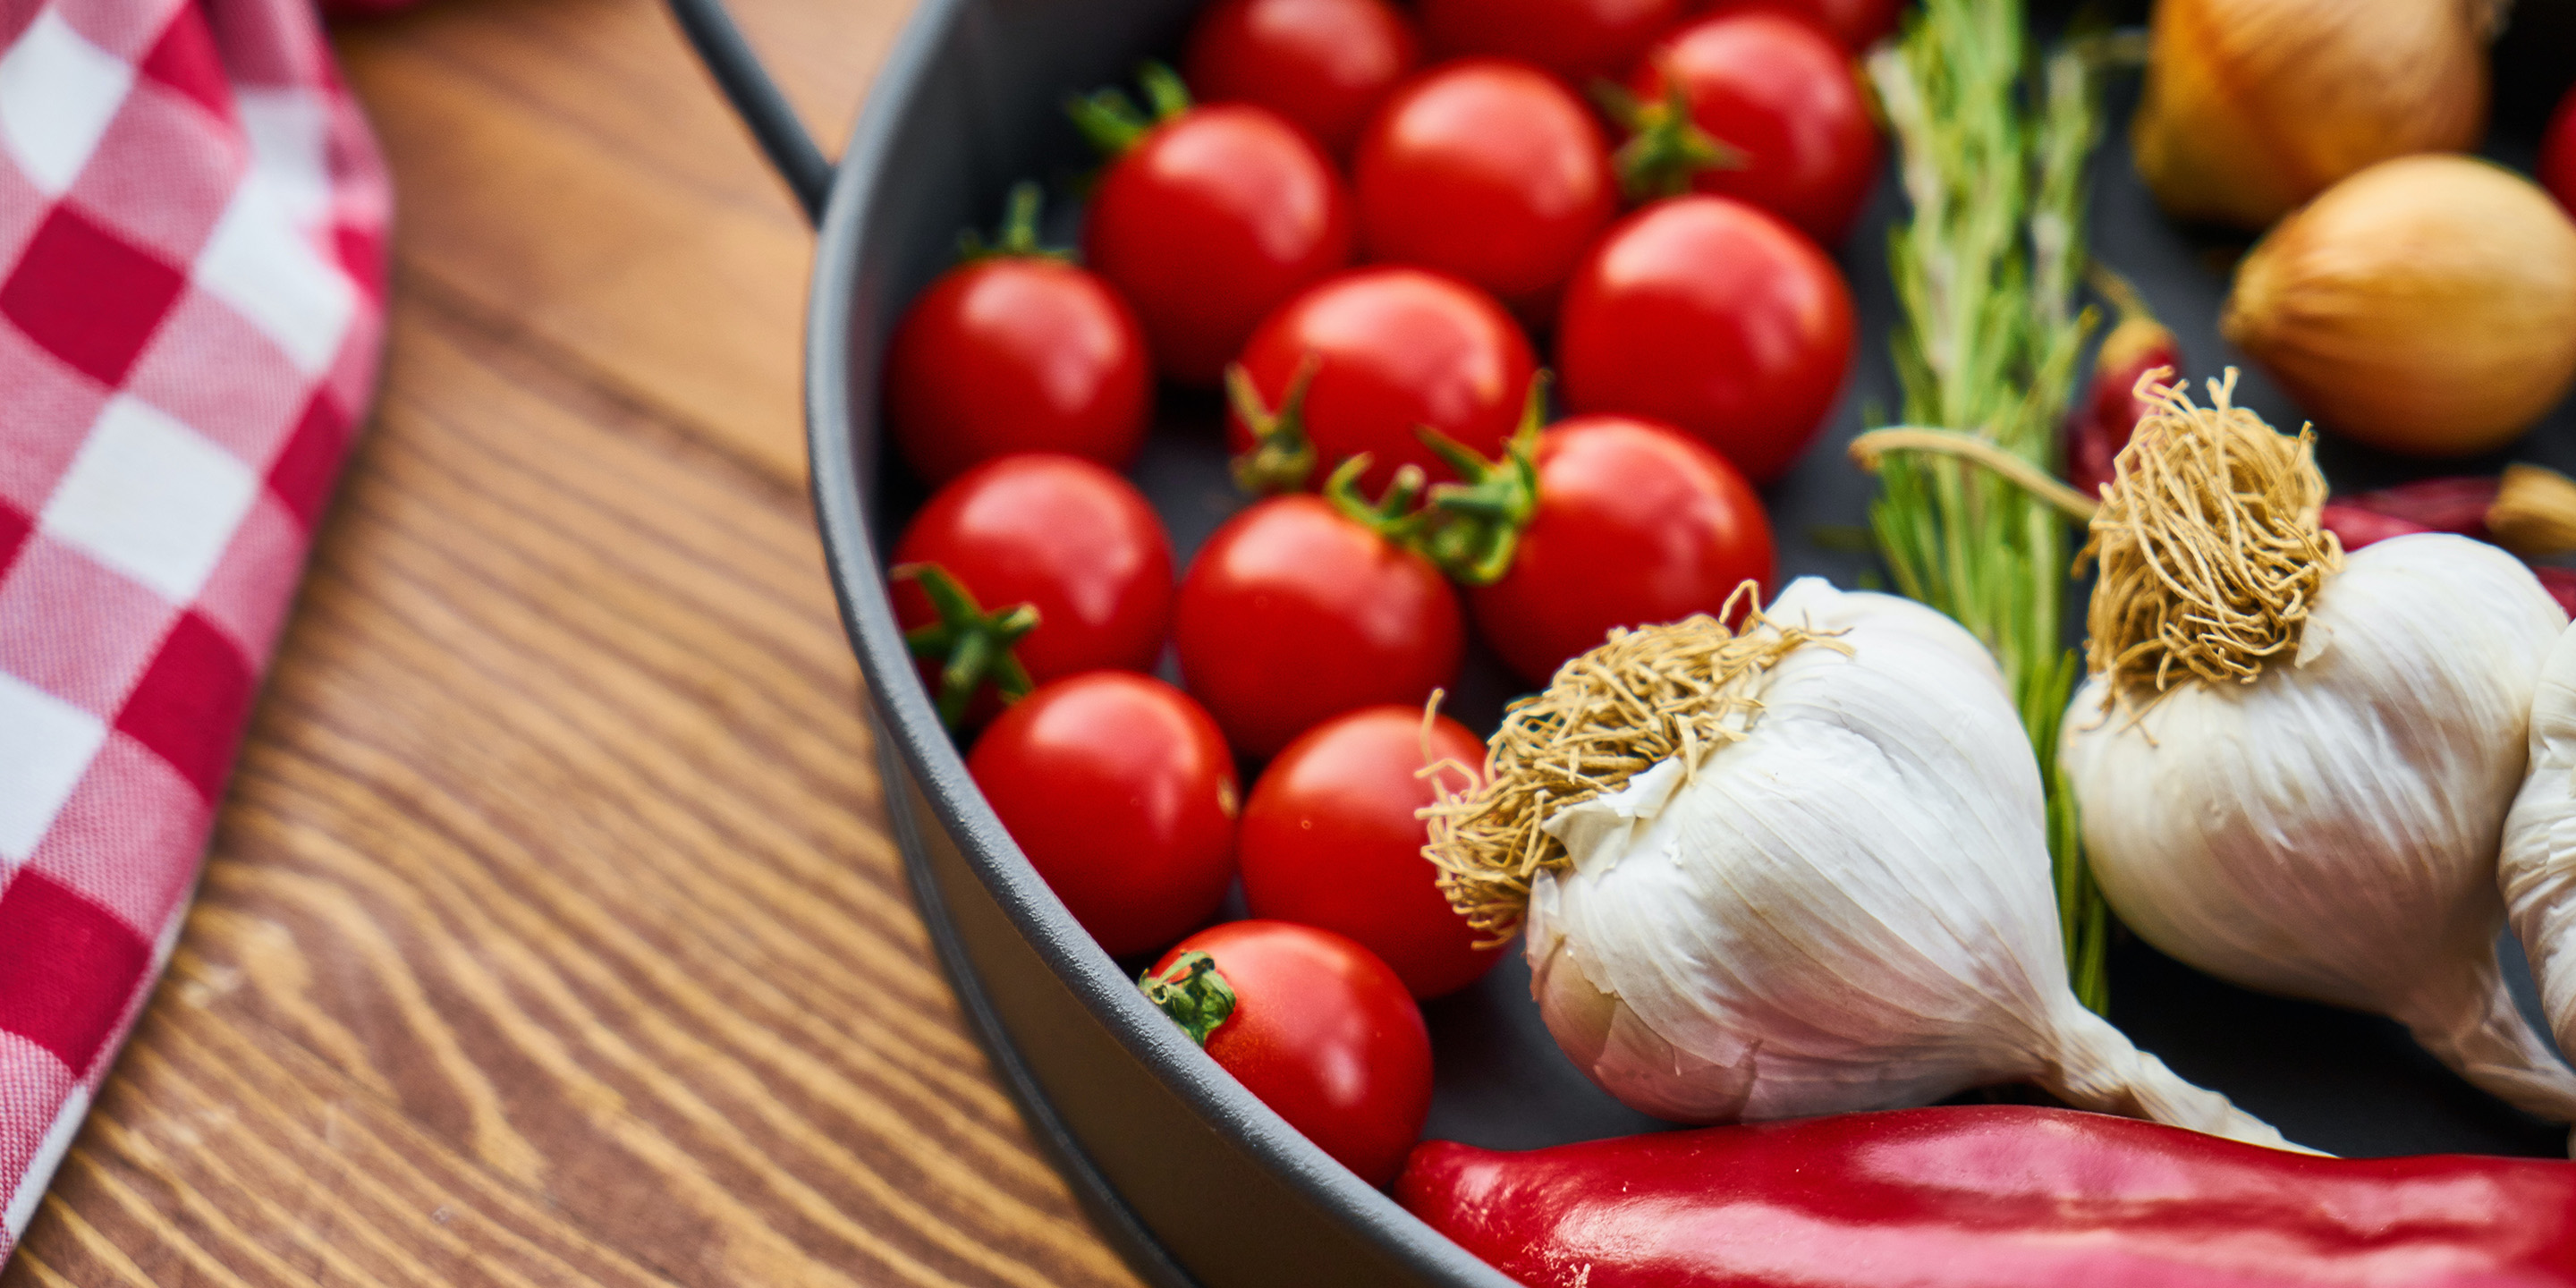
46	744
261	262
290	140
150	498
57	94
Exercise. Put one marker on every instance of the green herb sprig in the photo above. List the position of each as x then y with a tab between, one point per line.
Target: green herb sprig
1986	269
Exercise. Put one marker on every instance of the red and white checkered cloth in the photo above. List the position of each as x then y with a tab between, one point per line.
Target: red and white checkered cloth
192	226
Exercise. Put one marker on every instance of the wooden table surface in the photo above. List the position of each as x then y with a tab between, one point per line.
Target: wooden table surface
551	934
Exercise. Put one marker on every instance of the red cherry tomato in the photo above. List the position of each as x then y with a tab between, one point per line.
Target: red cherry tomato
1323	64
1777	91
2558	153
1121	792
1393	348
1857	24
1324	1034
1576	39
1636	524
1211	220
1713	315
1294	612
1330	839
1071	539
1017	352
1489	169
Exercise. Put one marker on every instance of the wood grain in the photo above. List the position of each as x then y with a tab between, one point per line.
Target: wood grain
551	934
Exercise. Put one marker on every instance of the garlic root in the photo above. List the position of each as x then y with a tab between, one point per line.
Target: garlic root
2208	544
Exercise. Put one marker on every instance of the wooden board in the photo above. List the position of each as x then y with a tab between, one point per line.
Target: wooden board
550	933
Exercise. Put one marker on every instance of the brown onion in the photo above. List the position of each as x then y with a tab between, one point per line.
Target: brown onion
2426	305
2253	106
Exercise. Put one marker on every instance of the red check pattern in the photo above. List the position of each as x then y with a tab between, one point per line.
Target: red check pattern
192	222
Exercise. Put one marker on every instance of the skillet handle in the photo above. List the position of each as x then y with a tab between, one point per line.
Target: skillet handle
755	97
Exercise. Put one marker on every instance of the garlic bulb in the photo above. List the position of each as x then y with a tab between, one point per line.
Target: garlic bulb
2424	305
2538	868
1811	877
2293	766
2253	106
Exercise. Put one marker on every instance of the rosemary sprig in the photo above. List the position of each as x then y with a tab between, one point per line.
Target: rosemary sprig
1986	270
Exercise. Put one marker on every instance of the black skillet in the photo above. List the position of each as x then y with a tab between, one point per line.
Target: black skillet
1189	1177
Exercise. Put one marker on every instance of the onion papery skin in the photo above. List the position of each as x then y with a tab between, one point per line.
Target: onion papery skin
2330	830
1848	909
2254	106
2426	306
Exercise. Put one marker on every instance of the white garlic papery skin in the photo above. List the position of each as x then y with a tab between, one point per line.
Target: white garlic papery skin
1850	908
2330	831
2538	870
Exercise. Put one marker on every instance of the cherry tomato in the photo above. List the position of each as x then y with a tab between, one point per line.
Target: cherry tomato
1713	315
1636	524
1017	351
1576	39
1489	169
1323	64
1319	1030
1393	348
1330	839
1121	792
1857	24
1775	90
1295	612
2558	153
1210	219
1062	535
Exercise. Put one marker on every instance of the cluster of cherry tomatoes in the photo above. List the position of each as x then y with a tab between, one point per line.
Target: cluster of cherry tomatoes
1358	240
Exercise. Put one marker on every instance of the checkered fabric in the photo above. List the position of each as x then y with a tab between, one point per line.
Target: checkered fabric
192	222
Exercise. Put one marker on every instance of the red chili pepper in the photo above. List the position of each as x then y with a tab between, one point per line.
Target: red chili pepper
1990	1197
2458	504
2357	526
2111	407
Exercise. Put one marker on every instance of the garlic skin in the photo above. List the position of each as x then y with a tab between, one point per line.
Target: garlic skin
2426	305
2253	106
2538	869
2329	831
1849	908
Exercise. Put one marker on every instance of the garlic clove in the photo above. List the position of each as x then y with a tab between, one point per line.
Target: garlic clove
2253	106
2425	305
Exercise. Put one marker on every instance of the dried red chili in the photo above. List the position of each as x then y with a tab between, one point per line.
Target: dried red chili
2111	407
2458	504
